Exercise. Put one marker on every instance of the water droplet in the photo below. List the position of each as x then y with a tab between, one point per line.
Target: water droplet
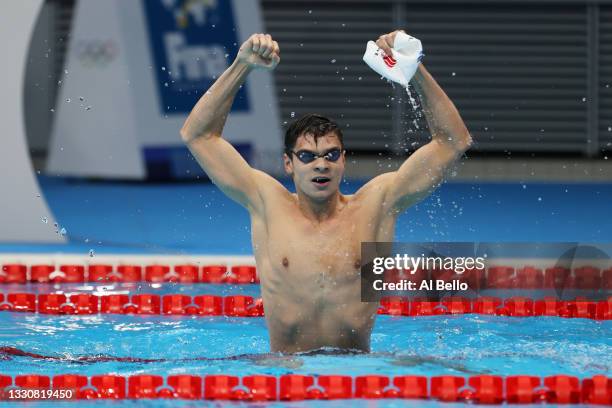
583	99
454	74
63	231
163	68
609	128
45	220
52	110
166	84
539	198
81	98
309	11
292	114
333	61
88	108
67	100
91	253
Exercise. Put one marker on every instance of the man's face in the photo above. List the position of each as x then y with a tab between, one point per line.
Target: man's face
320	178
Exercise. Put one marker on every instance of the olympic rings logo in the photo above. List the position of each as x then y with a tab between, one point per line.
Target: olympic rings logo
96	53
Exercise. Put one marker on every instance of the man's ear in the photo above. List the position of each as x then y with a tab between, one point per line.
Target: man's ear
287	164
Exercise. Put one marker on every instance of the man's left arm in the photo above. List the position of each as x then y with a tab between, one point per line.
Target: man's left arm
425	169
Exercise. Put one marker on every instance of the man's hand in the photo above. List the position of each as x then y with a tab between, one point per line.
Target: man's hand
259	51
385	41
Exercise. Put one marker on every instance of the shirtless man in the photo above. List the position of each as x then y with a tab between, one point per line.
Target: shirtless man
307	244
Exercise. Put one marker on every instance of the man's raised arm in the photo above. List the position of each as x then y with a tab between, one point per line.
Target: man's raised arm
204	125
424	170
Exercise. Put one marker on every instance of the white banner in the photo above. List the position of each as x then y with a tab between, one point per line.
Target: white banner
165	54
94	133
24	214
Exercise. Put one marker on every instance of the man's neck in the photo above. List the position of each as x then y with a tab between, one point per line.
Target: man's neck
320	211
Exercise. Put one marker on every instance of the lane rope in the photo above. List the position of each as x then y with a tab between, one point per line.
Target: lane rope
248	306
482	389
495	277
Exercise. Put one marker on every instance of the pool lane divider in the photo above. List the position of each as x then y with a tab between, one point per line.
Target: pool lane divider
495	277
480	389
247	306
181	273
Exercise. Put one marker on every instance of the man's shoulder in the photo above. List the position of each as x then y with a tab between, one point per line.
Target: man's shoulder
268	185
375	186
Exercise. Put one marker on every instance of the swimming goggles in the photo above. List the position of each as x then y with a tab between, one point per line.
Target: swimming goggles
306	156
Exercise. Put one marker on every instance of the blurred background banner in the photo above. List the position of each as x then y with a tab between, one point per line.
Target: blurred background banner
94	132
24	214
133	71
192	43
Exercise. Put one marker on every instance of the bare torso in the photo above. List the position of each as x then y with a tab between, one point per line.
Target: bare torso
310	271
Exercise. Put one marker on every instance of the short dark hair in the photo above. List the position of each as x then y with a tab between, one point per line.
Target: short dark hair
311	124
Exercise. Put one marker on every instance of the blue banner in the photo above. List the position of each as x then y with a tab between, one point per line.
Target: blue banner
192	42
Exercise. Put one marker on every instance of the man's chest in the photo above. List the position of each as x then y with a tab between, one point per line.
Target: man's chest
296	244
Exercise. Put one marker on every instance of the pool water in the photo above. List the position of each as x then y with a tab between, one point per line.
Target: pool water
462	345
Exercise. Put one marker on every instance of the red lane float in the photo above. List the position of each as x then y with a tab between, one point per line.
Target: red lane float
247	306
495	277
480	389
514	306
156	273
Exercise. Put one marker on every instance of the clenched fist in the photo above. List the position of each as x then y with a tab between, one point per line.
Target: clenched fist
385	41
259	51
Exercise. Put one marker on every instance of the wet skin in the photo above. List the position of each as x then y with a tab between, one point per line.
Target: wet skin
310	268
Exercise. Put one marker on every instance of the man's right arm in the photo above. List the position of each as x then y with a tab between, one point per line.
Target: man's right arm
204	126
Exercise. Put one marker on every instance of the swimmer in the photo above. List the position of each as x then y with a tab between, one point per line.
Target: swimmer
307	244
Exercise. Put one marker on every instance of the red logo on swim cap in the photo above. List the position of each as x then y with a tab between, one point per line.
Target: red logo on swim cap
389	61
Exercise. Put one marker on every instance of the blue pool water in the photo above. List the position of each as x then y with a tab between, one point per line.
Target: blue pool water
196	218
455	345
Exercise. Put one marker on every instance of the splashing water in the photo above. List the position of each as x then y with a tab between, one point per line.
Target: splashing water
415	107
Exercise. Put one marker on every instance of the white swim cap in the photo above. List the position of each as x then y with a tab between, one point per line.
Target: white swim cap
401	66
